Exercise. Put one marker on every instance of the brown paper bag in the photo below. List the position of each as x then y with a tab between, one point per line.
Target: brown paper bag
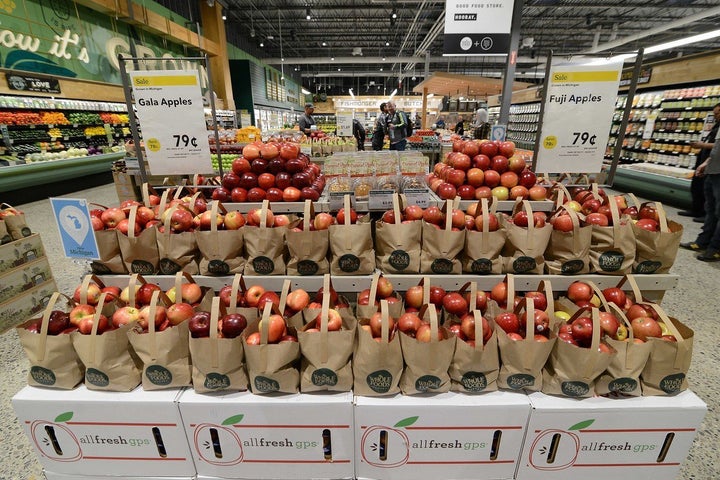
4	234
218	364
221	251
655	252
325	361
571	370
665	372
165	354
522	361
377	366
612	248
53	360
177	251
265	247
14	222
427	364
110	362
238	288
568	253
351	246
525	246
140	254
314	309
397	245
475	366
623	374
481	254
442	248
271	367
395	308
110	260
308	250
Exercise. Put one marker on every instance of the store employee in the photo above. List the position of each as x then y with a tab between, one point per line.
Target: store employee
306	120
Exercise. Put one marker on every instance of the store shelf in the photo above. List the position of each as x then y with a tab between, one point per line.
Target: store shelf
665	188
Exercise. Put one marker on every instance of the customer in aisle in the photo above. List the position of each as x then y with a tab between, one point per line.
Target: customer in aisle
396	125
378	138
359	134
697	184
709	237
306	120
440	124
482	127
460	126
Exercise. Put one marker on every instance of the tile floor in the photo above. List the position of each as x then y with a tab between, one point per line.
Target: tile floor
695	301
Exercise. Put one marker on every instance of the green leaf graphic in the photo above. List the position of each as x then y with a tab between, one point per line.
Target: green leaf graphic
406	422
581	425
233	420
63	417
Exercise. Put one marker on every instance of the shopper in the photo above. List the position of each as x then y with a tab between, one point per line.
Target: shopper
460	126
697	183
482	127
306	120
709	237
397	127
359	134
440	124
378	138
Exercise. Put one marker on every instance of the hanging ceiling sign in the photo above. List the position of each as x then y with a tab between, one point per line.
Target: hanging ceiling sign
577	115
169	105
477	27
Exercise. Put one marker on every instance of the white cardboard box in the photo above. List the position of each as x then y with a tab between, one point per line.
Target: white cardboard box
86	432
600	438
242	435
62	476
442	436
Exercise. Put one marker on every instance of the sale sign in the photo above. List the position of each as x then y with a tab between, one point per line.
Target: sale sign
169	106
578	111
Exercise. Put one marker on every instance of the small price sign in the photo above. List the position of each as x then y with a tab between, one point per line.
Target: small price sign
336	200
380	200
418	196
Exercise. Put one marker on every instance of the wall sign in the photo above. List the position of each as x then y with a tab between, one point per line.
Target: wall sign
32	84
577	115
480	27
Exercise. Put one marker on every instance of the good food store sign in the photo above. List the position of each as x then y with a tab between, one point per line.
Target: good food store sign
402	103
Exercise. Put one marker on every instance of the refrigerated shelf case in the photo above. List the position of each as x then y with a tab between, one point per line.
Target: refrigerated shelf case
523	123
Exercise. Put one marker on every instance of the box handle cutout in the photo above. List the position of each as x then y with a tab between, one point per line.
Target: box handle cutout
495	447
50	430
383	444
552	452
216	443
666	446
159	442
327	444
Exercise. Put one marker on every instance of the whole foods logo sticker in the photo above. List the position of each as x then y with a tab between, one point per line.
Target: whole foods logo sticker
611	261
96	377
524	264
218	267
474	381
441	266
427	383
519	381
169	267
265	385
672	383
42	375
142	267
324	377
216	381
572	267
98	267
380	381
575	389
263	265
481	266
349	263
307	267
623	385
158	375
648	266
399	260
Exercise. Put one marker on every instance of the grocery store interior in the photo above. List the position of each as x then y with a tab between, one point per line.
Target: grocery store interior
72	106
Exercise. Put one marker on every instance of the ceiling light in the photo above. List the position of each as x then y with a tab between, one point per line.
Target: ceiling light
381	69
224	17
324	44
394	14
305	91
338	69
351	93
430	95
387	44
393	93
252	32
383	59
307	14
332	59
262	44
683	41
282	59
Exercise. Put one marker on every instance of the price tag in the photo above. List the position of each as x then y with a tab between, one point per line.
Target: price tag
336	199
380	200
418	196
132	164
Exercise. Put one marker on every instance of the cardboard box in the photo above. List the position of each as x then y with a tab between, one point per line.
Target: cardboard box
600	438
26	305
20	252
25	277
242	435
86	432
449	435
62	476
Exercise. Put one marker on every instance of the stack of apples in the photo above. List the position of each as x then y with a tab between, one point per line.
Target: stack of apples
82	315
465	329
474	219
324	220
415	327
274	171
409	214
414	297
461	320
58	324
644	319
595	207
435	216
516	326
254	216
478	169
117	218
384	291
230	325
278	331
374	326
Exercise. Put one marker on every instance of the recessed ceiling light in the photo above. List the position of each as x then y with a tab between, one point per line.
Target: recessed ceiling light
324	44
387	44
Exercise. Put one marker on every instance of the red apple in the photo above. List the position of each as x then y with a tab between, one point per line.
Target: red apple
179	312
409	323
276	328
414	296
645	327
615	295
578	291
297	300
232	325
508	321
455	304
199	325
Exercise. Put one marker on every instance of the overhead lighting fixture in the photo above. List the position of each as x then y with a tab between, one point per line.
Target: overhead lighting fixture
338	69
307	14
381	69
393	93
383	59
224	17
262	44
324	44
332	59
394	14
305	91
387	44
351	93
430	95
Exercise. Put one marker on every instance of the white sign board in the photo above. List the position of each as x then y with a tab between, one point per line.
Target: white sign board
480	27
344	124
169	105
578	112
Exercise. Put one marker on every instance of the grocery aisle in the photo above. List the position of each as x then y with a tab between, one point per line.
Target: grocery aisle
695	302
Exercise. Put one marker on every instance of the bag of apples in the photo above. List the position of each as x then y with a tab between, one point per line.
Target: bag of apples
380	289
138	245
526	240
665	372
351	243
657	239
49	349
110	362
308	245
377	359
216	349
576	363
568	252
398	236
483	246
104	220
14	222
221	251
177	247
4	234
476	364
623	374
427	356
264	243
326	345
272	352
442	244
612	248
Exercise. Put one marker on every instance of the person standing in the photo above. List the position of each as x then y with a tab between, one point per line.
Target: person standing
378	138
709	237
307	121
359	134
697	183
397	127
460	126
482	127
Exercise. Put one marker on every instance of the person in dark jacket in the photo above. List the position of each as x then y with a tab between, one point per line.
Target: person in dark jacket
359	134
378	138
460	126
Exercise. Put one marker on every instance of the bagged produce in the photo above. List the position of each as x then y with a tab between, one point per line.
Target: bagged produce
612	248
139	252
14	221
442	247
221	251
380	289
398	244
178	250
657	240
308	249
5	236
483	247
568	252
528	236
264	244
110	259
351	245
